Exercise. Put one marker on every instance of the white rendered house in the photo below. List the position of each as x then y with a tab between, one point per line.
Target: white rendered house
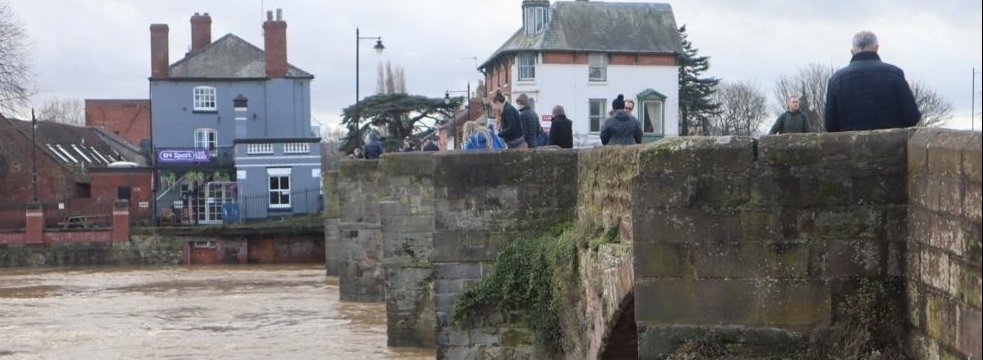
582	54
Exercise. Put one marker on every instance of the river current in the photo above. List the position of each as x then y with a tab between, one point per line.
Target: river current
208	312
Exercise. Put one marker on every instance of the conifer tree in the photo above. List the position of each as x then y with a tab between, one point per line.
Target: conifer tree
696	105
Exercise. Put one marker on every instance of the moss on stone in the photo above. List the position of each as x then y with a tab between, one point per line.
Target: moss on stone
535	276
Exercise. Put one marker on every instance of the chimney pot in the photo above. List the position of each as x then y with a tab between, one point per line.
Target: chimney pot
201	31
159	59
275	45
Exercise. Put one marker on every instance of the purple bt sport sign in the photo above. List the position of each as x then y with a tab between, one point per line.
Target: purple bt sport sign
182	155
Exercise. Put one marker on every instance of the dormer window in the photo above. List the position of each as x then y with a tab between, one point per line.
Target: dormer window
203	98
534	15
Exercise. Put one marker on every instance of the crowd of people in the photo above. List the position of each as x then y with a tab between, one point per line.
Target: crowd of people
867	94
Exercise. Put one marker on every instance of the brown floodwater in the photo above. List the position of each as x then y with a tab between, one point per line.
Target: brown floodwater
213	312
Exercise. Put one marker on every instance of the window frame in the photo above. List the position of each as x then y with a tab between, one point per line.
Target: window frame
535	20
530	68
205	138
596	119
204	99
598	62
279	197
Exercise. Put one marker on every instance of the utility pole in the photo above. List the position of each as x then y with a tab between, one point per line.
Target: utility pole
34	154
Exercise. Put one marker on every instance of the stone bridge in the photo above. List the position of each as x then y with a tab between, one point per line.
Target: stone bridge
751	242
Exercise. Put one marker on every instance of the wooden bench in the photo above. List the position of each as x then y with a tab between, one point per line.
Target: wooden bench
85	221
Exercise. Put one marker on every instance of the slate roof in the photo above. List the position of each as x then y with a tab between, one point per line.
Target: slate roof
78	148
593	26
229	57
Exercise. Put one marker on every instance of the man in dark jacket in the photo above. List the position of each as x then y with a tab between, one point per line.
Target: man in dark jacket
373	148
869	94
431	145
561	129
529	120
791	121
621	128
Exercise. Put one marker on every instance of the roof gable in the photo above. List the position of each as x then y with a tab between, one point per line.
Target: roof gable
229	57
611	27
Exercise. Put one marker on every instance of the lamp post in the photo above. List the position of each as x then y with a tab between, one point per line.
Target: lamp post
34	155
447	100
378	49
972	103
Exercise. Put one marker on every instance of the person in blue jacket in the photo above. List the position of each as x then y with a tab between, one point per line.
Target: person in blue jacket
373	148
868	93
477	137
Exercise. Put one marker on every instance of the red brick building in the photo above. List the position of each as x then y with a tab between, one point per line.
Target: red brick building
73	172
128	118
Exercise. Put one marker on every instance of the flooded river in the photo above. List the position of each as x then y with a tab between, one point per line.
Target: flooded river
235	312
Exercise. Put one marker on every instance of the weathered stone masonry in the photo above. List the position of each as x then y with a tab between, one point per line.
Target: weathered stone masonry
754	241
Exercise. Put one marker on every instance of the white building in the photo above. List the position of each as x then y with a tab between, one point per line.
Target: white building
582	54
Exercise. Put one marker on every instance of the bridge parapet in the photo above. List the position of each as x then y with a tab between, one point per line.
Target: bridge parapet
757	243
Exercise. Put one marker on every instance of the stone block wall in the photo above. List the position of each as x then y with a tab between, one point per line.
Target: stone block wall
332	221
483	201
757	242
407	216
943	262
359	245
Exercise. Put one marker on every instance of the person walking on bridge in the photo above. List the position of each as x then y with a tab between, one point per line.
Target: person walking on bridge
868	93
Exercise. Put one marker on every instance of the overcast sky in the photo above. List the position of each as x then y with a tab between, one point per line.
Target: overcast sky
100	49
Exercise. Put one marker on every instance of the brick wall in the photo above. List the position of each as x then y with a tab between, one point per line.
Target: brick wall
128	118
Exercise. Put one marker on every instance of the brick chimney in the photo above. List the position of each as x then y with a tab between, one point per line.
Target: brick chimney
275	36
201	31
159	60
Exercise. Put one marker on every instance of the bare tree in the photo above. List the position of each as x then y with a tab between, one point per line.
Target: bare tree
935	110
809	85
391	81
742	109
15	70
333	134
64	111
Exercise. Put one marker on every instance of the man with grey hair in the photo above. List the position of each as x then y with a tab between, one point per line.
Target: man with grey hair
561	129
869	94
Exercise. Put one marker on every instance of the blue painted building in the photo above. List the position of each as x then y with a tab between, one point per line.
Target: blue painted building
231	128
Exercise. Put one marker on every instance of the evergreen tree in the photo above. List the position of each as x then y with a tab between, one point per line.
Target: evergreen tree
696	104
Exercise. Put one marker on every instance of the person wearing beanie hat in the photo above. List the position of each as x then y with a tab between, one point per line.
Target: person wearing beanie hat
618	103
621	128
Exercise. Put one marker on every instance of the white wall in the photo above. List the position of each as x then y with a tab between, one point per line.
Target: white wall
567	85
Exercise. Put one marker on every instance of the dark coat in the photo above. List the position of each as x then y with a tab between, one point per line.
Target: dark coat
869	94
790	122
511	128
373	148
621	129
561	132
530	125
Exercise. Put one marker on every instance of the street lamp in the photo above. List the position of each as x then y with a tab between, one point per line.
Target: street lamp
378	50
34	155
447	100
